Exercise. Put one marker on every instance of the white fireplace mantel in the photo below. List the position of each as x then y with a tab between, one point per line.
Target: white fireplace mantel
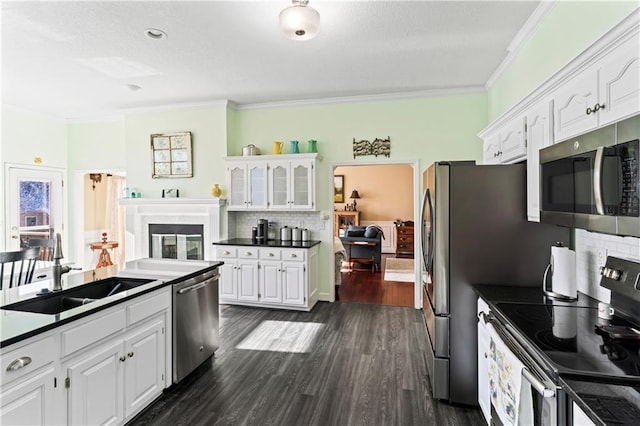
141	212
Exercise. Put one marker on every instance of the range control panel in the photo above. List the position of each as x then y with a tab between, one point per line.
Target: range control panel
621	276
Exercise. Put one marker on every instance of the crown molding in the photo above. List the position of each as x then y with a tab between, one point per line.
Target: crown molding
218	103
363	98
525	33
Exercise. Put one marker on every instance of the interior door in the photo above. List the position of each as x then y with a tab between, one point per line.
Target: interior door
34	206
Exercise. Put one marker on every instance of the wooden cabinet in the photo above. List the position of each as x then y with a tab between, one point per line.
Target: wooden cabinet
291	184
271	182
275	277
247	185
538	136
342	220
604	93
404	240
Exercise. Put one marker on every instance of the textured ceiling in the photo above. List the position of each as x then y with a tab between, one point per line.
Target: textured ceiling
75	59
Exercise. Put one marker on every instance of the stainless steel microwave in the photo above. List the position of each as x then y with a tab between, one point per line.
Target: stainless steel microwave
592	181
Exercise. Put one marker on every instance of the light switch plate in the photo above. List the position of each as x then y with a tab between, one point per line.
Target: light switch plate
601	258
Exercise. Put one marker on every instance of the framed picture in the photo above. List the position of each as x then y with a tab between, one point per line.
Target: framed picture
338	189
171	155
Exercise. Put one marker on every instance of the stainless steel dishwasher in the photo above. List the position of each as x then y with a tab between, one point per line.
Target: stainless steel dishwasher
195	322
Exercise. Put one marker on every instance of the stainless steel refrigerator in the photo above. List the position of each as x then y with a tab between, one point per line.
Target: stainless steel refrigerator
474	231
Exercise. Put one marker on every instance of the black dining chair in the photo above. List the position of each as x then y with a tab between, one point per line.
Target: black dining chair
19	265
46	247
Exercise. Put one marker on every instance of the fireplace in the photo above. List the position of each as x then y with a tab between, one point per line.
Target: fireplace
176	241
174	228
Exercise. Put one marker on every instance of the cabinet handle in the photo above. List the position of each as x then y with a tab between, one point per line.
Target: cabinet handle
226	252
597	107
17	364
130	354
247	253
271	254
122	359
589	110
294	255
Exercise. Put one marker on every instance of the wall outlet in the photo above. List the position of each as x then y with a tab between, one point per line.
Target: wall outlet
601	256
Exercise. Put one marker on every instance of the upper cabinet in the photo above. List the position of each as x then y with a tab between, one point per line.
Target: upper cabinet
538	135
247	185
605	92
272	182
599	87
507	144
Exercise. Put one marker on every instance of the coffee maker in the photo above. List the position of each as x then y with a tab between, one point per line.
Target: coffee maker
263	231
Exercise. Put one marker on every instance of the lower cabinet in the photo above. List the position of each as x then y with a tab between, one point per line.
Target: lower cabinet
271	277
30	402
81	374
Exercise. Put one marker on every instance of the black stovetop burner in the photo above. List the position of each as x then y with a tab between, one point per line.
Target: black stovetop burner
579	344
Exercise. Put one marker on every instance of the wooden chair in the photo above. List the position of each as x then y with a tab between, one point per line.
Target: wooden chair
46	247
22	274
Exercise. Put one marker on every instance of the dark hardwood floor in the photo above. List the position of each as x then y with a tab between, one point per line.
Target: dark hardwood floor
356	364
362	286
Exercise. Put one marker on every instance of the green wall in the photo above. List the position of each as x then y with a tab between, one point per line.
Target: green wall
567	30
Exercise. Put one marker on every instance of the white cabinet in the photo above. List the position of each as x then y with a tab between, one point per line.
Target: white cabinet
270	276
484	338
96	385
291	184
247	185
507	145
607	91
30	401
538	125
27	377
144	367
619	82
271	182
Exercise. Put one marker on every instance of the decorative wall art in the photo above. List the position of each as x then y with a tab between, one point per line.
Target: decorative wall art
377	147
338	189
171	155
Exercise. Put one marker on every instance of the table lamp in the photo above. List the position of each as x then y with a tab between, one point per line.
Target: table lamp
354	196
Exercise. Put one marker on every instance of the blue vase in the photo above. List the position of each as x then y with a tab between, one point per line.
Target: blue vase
294	148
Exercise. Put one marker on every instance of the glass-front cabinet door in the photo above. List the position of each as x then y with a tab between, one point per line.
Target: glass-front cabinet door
279	184
257	183
301	185
237	191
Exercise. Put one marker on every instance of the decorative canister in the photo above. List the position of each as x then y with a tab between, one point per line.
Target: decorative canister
296	235
312	146
294	148
277	147
306	235
216	191
285	233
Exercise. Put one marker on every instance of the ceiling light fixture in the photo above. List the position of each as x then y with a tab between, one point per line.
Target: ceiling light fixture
300	21
155	34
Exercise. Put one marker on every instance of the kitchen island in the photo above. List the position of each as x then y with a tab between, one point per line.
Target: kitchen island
101	361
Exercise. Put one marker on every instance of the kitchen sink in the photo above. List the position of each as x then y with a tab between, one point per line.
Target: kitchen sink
54	303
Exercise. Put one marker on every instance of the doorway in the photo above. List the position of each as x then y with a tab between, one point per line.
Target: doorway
100	216
33	206
380	194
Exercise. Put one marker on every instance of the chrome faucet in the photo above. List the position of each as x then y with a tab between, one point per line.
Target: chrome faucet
58	269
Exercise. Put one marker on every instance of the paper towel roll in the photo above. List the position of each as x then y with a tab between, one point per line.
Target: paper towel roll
563	277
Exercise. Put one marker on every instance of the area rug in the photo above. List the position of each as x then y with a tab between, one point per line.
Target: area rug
398	269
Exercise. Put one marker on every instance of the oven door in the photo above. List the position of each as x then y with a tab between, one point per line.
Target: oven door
540	399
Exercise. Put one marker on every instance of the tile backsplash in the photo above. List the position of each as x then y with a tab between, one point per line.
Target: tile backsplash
240	223
592	249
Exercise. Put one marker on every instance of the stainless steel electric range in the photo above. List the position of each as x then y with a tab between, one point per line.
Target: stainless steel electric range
571	352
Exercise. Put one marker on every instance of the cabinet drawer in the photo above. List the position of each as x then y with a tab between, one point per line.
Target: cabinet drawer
270	254
247	253
27	358
404	247
91	332
405	239
226	252
148	306
293	255
405	231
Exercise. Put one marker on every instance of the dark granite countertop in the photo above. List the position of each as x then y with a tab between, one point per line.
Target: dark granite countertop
595	399
269	243
16	326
